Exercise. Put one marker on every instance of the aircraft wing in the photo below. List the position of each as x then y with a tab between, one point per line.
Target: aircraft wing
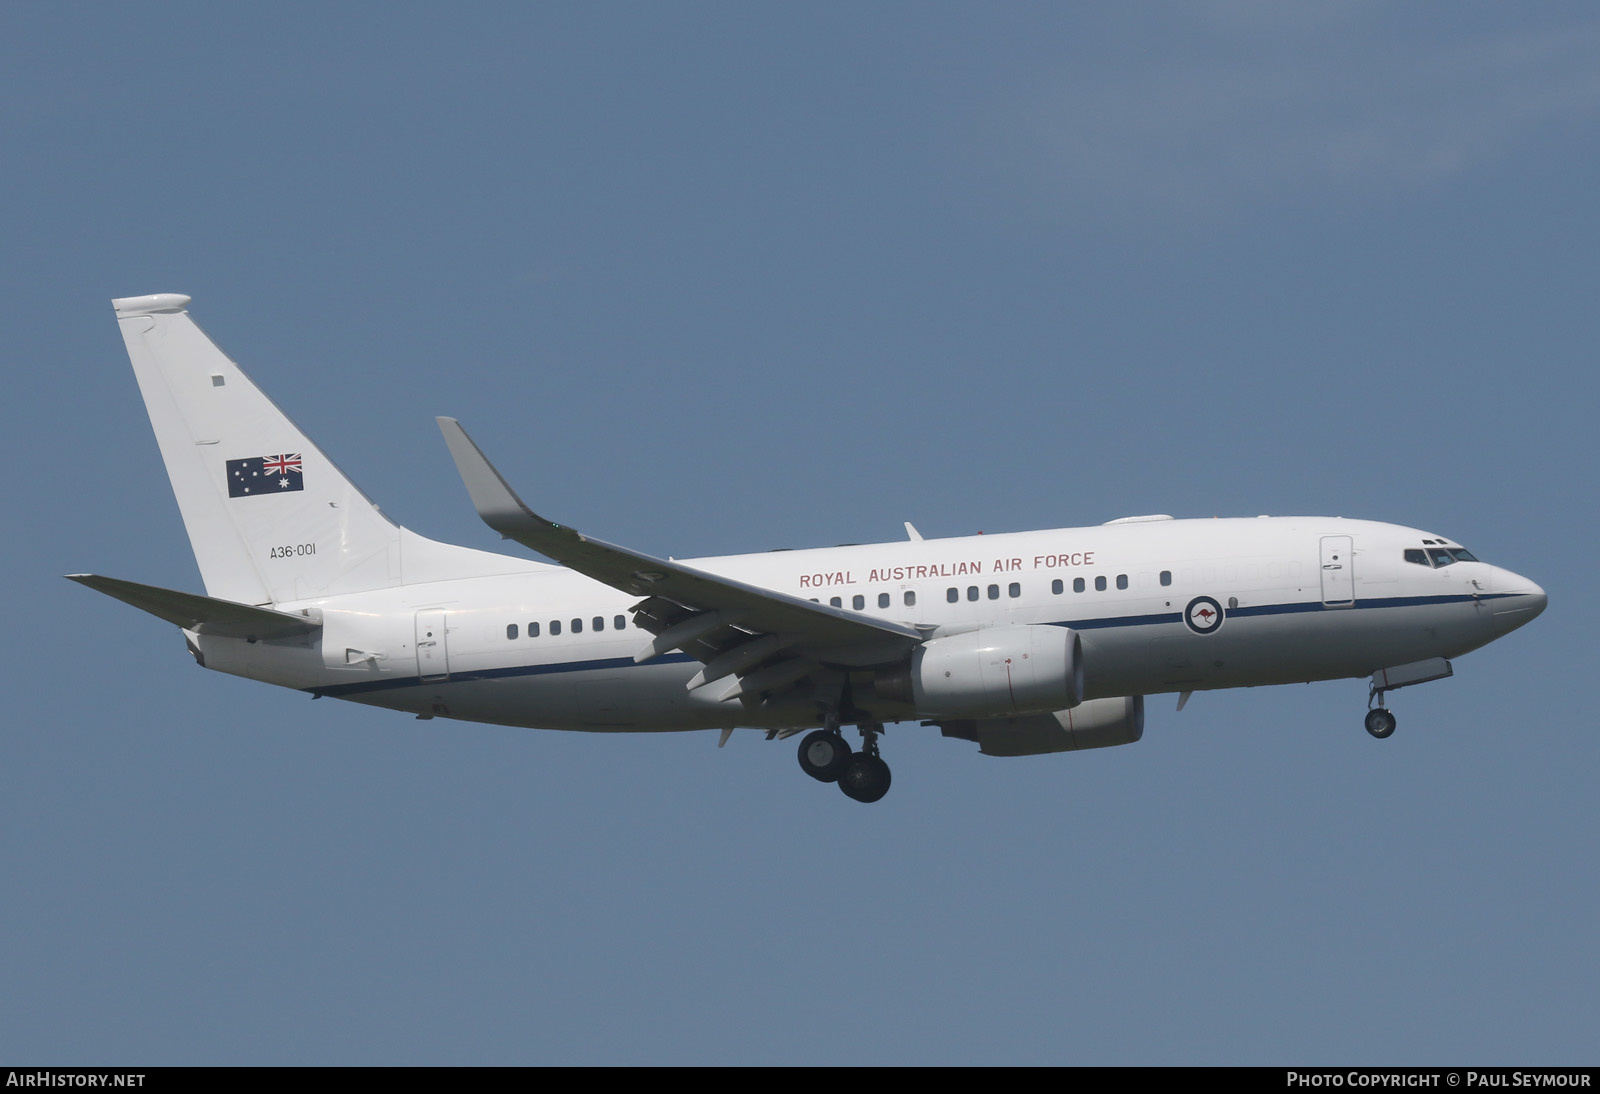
731	626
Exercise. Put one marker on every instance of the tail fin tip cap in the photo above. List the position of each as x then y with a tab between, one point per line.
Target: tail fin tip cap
148	305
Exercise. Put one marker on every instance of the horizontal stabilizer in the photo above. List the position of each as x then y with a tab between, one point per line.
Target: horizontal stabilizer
203	614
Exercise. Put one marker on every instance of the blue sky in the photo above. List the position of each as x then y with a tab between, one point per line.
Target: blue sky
711	278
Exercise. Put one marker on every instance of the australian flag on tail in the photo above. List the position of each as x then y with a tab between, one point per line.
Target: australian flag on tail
265	475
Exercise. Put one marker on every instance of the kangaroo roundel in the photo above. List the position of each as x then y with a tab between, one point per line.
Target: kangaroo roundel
1203	615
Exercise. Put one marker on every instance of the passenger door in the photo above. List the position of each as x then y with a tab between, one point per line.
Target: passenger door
433	651
1338	572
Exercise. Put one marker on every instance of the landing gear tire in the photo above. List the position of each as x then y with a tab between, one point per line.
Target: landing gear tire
824	755
865	778
1380	723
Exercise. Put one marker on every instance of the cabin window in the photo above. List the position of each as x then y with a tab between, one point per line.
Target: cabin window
599	622
858	602
620	623
1166	577
911	599
1078	585
972	592
994	592
1014	590
835	602
952	594
883	600
1057	587
555	626
577	626
1100	584
511	630
533	630
1122	581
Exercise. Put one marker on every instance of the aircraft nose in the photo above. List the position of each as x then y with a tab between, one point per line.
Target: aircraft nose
1520	602
1535	599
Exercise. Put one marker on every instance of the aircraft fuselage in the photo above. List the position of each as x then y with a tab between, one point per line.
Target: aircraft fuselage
1160	605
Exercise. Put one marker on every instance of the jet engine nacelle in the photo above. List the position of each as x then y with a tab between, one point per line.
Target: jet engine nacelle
998	671
1097	723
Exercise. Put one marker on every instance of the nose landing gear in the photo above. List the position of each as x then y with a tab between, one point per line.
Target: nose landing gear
1380	723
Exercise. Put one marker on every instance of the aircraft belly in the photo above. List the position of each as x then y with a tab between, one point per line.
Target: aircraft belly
643	698
1278	647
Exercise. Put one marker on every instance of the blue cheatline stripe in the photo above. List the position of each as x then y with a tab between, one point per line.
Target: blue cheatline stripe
1280	609
1120	621
365	686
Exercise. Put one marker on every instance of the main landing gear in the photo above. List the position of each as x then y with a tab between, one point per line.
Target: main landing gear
827	757
824	754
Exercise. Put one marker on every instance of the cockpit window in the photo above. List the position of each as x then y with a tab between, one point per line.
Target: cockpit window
1439	556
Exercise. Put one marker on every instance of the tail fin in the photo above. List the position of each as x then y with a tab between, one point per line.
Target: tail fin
270	517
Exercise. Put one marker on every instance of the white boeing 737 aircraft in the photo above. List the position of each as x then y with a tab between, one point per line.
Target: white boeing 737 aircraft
1024	643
